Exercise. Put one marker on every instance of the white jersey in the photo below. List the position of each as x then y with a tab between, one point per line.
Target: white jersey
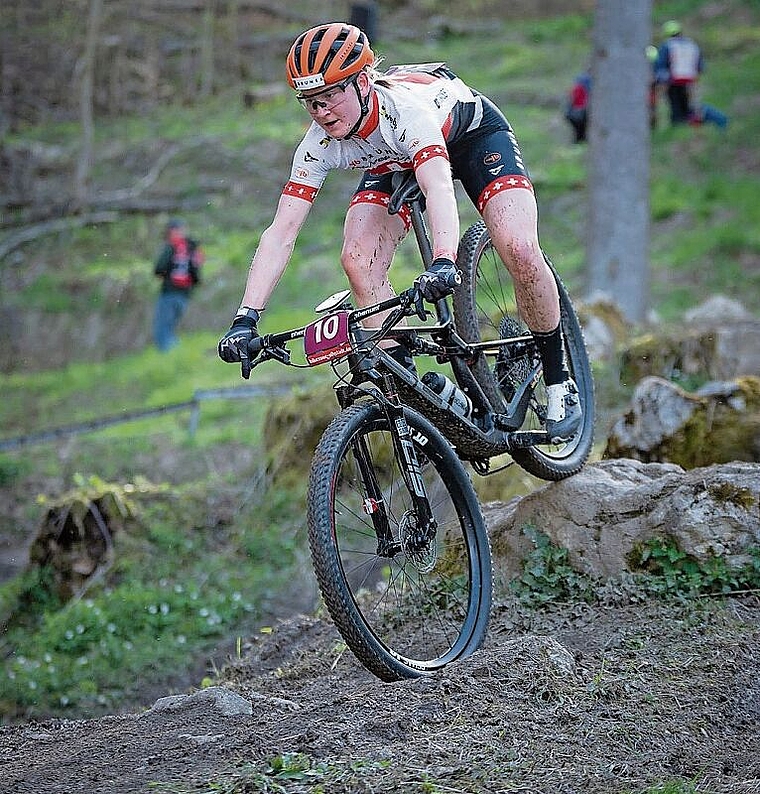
425	107
684	60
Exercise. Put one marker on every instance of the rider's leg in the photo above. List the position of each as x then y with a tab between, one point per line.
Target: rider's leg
370	239
512	220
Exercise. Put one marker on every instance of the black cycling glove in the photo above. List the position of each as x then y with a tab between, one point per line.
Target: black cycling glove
438	280
233	346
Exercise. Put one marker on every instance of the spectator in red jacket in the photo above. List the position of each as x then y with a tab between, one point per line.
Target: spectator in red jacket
178	266
577	106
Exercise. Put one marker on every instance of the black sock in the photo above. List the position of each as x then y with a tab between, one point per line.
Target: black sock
550	348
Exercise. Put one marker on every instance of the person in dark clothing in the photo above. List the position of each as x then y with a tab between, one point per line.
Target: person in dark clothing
178	266
577	106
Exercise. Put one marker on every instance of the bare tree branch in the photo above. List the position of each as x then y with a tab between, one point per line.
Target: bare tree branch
26	235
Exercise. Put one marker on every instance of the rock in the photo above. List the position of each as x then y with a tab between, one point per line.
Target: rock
604	328
606	512
717	424
718	340
219	699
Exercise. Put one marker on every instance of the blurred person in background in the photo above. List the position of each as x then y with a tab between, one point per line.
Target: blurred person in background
678	66
178	266
577	106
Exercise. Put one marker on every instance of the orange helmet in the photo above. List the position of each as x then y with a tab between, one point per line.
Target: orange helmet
327	54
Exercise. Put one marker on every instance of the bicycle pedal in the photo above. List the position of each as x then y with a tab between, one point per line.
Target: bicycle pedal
528	438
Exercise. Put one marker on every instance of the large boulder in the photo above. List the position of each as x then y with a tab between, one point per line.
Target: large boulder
606	513
718	340
716	424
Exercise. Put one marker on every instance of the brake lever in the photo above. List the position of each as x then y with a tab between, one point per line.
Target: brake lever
411	303
248	364
280	354
419	305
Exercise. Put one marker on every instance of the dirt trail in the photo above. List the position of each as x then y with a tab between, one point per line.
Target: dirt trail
594	699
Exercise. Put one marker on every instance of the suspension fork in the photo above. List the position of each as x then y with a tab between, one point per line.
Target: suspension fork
373	503
425	524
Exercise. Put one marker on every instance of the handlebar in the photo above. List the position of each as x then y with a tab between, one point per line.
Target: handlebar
409	302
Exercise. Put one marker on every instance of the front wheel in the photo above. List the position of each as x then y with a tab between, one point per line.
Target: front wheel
404	608
485	309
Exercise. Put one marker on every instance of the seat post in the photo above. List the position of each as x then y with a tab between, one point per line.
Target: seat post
420	232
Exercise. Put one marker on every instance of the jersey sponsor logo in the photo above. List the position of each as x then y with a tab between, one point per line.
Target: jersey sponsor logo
302	173
492	157
392	120
325	142
496	171
310	158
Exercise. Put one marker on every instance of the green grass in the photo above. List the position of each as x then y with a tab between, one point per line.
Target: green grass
176	591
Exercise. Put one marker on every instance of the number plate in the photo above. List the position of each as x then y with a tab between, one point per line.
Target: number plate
327	338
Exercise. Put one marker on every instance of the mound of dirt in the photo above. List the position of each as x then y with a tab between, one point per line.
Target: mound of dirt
577	698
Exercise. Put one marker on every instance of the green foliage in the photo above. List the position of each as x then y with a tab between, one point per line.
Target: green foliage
176	589
286	772
672	787
12	468
661	569
671	571
547	574
25	597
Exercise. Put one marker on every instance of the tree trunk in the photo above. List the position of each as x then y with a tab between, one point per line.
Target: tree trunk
618	232
87	64
233	22
207	51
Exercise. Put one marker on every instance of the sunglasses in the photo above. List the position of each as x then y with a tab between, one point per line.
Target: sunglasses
328	99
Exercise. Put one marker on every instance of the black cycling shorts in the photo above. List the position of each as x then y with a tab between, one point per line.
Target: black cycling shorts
485	160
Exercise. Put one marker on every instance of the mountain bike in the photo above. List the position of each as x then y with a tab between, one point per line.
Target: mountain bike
397	538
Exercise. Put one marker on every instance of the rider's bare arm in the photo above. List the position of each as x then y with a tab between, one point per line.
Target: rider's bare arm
434	177
274	251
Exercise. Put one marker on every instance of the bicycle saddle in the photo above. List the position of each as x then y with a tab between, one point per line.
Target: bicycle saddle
405	191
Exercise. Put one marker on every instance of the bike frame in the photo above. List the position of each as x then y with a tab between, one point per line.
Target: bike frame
477	438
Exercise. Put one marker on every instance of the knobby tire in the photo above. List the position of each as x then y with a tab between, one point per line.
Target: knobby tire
421	609
484	309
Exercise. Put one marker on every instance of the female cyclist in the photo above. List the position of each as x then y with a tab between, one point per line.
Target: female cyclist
421	117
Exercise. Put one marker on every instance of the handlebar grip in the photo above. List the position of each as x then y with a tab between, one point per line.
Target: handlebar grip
255	346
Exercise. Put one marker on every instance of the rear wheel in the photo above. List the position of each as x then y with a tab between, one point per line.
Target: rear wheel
485	309
405	608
